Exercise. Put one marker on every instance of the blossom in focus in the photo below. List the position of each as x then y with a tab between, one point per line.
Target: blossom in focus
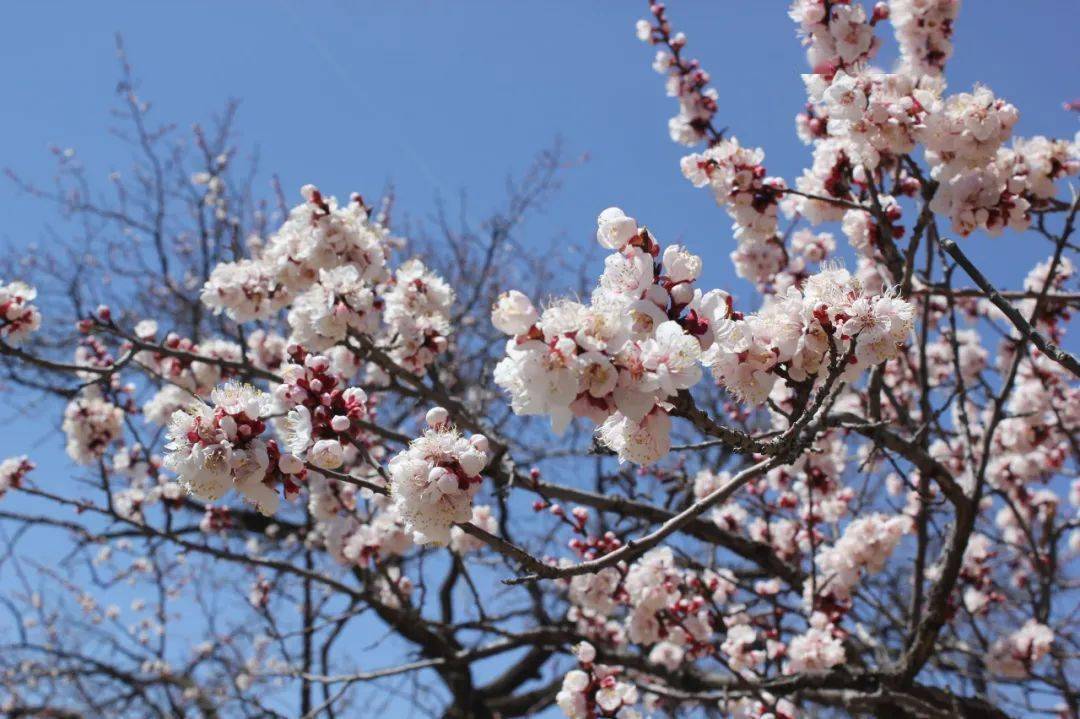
513	313
433	481
215	448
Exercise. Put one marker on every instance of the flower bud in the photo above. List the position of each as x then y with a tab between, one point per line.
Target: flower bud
437	417
327	453
290	464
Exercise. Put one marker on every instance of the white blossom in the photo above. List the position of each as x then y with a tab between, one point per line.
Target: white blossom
433	481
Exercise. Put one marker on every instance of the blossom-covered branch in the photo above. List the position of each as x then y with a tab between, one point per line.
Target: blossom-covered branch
308	446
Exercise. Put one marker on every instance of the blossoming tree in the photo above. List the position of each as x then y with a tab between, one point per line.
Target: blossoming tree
849	496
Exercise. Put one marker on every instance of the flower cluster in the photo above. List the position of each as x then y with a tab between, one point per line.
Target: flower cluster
183	378
596	690
1040	162
323	416
215	520
742	644
339	302
804	330
351	538
672	609
976	573
214	448
618	359
865	546
837	33
686	81
767	707
962	134
433	481
246	290
266	350
876	115
18	318
418	315
329	266
1015	655
738	180
986	197
318	235
826	184
12	472
670	605
146	490
1031	445
92	423
394	588
864	230
923	30
819	648
941	357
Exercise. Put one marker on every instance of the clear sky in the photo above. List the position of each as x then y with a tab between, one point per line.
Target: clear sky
438	97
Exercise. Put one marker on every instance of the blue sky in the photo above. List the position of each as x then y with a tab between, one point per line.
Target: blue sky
437	97
442	96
